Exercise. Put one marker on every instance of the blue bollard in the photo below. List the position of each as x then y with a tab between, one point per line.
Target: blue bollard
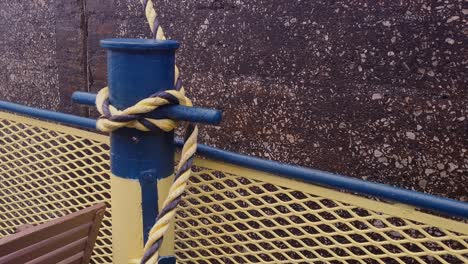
141	162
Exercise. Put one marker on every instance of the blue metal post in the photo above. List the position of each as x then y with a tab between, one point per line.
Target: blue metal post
138	68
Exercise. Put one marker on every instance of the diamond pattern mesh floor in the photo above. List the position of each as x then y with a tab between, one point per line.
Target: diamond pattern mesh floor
228	215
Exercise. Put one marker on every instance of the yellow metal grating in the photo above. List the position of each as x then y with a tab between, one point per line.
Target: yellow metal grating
47	173
227	218
229	214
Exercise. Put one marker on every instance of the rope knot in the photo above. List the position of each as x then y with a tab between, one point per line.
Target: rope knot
134	117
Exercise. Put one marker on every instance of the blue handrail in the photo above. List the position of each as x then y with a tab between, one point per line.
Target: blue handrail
73	120
175	112
439	204
435	203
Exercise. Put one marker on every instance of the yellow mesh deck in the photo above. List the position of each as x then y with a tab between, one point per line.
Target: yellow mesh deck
236	215
47	171
229	214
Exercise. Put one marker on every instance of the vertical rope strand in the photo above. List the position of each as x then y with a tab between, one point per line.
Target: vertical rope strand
183	171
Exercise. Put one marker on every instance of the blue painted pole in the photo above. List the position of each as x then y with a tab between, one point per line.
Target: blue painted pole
175	112
140	161
73	120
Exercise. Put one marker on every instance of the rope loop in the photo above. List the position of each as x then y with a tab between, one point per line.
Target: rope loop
134	117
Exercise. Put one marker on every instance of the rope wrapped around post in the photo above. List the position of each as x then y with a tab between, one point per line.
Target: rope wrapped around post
183	170
133	117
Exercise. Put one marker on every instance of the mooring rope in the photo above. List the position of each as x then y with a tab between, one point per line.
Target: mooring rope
133	117
183	170
111	118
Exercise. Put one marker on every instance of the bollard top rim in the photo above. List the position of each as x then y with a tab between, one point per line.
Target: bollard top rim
139	44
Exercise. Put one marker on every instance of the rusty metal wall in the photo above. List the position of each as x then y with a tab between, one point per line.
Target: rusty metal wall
371	89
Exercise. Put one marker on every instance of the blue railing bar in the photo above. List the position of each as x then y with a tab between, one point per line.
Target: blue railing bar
417	199
176	112
73	120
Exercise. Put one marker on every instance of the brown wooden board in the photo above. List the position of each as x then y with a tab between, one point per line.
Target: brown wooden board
68	239
75	259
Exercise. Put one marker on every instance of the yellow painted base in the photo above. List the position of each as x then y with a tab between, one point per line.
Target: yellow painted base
167	248
127	221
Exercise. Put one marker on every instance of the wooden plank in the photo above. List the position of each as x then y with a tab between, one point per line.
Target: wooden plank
93	233
44	231
33	251
38	233
61	253
75	259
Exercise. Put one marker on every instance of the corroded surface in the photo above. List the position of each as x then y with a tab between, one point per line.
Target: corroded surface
28	66
375	91
125	20
41	53
370	89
